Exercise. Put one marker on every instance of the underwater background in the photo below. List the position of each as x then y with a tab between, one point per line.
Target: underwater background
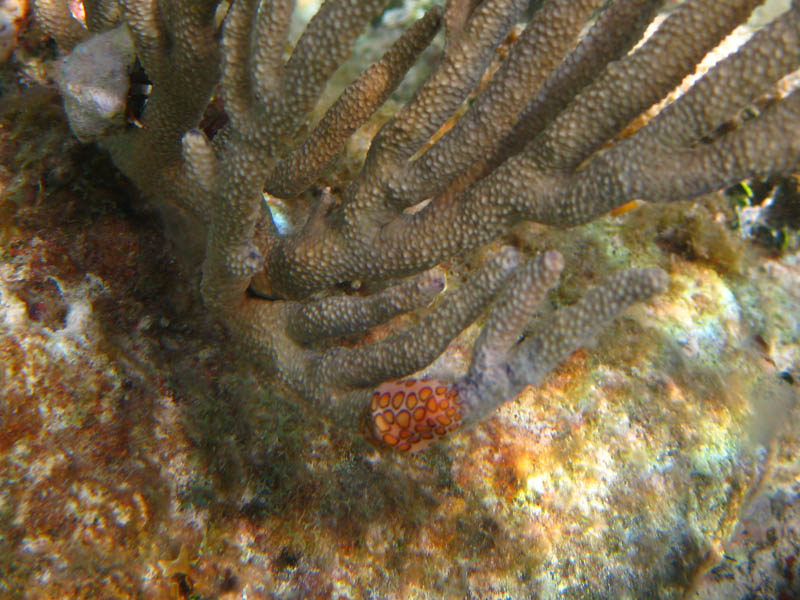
139	458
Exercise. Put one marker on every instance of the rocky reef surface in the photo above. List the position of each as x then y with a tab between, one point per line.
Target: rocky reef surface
139	457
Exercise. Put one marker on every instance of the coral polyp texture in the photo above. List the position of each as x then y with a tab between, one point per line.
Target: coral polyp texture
504	248
539	142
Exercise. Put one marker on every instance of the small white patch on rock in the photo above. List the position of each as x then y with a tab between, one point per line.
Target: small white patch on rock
94	80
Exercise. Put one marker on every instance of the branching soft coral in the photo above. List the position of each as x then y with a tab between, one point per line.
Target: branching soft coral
540	141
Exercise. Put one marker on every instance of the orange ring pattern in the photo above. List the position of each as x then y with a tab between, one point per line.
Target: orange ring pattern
411	414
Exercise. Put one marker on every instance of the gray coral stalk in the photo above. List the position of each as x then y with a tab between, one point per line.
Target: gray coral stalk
540	141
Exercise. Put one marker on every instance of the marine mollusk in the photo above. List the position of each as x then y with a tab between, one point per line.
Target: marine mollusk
411	414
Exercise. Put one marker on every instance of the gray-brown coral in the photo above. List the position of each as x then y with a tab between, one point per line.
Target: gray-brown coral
539	142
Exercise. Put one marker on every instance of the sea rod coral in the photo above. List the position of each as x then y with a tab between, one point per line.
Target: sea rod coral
540	140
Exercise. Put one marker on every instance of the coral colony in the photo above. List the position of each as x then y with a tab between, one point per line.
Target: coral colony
199	105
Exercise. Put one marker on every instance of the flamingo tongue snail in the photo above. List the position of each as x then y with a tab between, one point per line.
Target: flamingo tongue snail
411	414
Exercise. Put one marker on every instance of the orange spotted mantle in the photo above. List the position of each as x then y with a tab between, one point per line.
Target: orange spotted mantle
411	414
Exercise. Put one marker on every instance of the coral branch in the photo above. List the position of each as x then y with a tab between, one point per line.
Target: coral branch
409	415
616	31
637	81
514	309
342	315
540	48
419	345
460	70
542	140
552	341
301	168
